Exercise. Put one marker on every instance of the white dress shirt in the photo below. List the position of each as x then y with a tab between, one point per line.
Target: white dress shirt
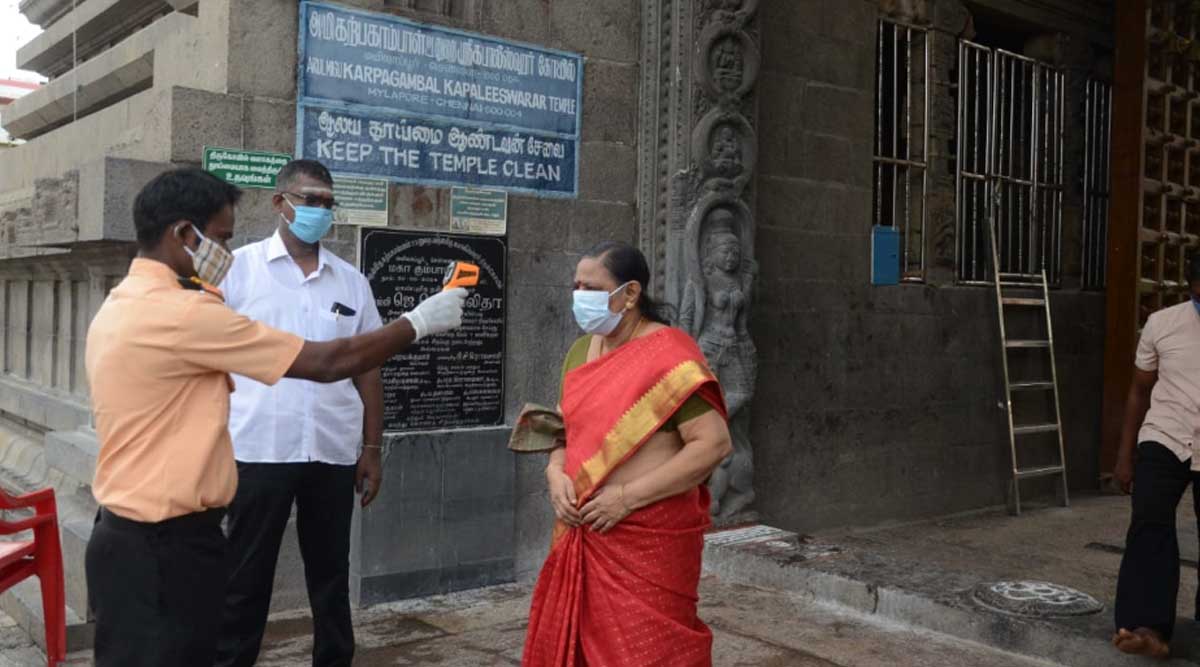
1170	346
297	421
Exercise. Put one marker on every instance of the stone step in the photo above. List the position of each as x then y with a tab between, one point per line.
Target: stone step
23	603
74	453
64	460
48	409
920	597
22	460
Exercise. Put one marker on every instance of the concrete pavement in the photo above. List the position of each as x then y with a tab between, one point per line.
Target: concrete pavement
924	575
888	595
752	627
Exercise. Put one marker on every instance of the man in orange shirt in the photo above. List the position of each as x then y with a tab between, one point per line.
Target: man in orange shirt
159	354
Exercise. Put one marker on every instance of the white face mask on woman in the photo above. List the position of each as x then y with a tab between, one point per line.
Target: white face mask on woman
592	313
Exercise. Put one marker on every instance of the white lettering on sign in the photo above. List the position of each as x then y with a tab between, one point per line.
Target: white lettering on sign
402	131
337	69
541	148
333	125
463	164
354	32
485	141
562	105
532	171
346	151
394	157
495	94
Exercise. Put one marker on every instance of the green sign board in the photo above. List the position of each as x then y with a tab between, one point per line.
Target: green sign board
361	201
478	211
245	169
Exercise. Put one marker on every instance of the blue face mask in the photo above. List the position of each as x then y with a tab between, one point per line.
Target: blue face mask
310	223
592	313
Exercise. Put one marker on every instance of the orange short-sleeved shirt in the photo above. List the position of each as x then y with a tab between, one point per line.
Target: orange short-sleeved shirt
158	359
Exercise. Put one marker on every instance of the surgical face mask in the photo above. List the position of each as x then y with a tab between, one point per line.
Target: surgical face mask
592	313
210	259
310	223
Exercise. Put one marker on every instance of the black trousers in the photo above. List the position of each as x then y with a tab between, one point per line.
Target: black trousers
156	590
1149	578
324	499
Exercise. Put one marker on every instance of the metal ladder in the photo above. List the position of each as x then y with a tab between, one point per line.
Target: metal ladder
1027	282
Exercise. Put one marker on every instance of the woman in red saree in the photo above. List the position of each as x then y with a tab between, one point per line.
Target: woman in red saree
645	426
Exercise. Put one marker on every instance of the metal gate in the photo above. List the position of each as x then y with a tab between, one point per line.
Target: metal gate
1009	164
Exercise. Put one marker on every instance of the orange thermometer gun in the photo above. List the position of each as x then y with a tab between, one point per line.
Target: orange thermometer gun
460	274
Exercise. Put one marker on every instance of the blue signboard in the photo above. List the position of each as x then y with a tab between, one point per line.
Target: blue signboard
414	150
518	106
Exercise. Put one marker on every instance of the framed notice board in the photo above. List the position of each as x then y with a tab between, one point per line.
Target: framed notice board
455	380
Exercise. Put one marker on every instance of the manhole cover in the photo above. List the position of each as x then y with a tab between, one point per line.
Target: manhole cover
1036	598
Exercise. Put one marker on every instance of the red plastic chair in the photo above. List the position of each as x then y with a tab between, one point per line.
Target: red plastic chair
41	556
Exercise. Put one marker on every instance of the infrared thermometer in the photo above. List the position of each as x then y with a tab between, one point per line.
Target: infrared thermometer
460	274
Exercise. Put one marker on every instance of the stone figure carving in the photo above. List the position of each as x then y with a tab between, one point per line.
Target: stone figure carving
716	310
726	154
728	64
724	143
700	150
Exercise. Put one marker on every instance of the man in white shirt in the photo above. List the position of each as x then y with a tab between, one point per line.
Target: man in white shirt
299	442
1162	415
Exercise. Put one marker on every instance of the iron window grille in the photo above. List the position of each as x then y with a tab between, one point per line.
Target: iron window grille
1096	183
1009	164
902	139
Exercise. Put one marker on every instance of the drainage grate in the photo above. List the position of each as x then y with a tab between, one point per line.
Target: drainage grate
1039	599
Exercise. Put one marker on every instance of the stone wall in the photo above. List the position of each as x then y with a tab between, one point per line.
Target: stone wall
877	403
224	75
872	403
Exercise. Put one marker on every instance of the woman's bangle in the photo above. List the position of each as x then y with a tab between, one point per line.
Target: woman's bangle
624	505
379	447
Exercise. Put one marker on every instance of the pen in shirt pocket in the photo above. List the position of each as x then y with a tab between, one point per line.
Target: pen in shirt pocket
339	309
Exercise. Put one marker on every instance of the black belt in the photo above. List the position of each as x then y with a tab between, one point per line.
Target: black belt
186	523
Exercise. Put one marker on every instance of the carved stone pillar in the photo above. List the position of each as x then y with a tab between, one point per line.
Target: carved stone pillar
17	322
71	280
699	148
5	323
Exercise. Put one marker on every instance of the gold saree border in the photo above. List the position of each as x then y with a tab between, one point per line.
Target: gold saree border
641	421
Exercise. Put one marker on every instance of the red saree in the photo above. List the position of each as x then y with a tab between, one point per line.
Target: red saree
626	598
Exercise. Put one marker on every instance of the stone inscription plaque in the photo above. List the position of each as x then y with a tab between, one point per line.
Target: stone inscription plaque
455	380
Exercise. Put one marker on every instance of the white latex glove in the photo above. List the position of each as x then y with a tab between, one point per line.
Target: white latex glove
438	314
